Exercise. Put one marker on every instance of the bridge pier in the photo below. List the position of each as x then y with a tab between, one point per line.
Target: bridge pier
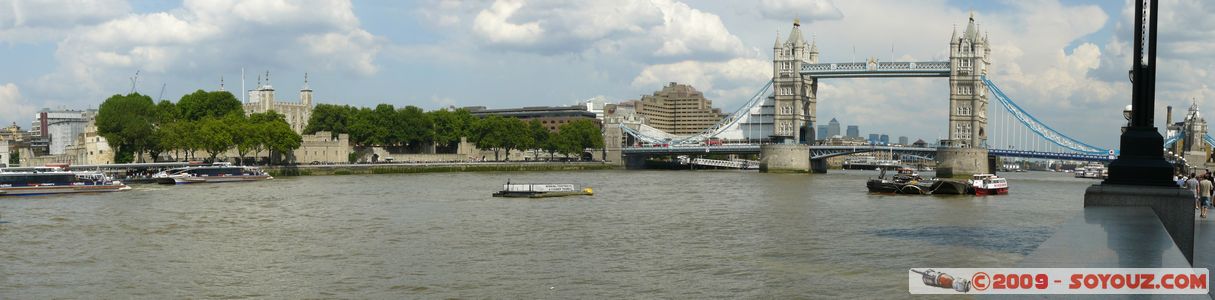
784	158
818	166
634	161
961	162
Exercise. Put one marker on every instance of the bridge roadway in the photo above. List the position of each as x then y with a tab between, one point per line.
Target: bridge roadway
818	152
821	152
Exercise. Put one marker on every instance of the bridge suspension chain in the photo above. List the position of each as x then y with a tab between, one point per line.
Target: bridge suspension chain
730	122
1036	127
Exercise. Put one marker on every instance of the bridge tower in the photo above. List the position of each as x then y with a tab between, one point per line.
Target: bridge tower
1192	146
793	101
794	95
965	150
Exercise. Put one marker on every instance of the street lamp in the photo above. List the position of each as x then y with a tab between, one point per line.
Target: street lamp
1126	113
1142	161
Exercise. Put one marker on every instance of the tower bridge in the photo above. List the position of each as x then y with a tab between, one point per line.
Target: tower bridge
778	120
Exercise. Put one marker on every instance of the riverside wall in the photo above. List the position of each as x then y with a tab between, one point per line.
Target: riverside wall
394	168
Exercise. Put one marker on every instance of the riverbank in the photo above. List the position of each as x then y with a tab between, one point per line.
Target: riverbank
396	168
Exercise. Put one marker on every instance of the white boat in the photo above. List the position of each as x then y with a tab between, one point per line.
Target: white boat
1092	170
54	180
989	184
219	172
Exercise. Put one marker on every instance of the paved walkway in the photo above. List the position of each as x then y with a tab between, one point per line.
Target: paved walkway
1204	243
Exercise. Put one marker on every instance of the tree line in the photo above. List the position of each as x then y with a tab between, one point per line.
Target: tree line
212	122
410	127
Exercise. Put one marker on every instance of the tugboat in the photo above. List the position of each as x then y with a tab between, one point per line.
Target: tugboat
55	180
531	190
989	184
218	172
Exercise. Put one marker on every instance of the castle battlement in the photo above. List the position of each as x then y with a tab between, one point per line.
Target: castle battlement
262	99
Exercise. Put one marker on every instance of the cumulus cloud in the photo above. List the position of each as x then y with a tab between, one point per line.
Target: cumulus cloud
15	106
492	25
647	30
43	20
808	11
209	37
730	81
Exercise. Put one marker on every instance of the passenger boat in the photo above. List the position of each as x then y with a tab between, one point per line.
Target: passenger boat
870	163
989	184
54	180
531	190
219	172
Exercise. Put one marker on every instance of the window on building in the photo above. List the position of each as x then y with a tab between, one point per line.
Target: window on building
965	90
962	130
964	109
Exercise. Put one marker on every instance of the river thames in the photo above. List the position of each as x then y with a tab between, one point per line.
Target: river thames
645	234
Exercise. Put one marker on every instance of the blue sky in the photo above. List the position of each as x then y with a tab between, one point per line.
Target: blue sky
1065	61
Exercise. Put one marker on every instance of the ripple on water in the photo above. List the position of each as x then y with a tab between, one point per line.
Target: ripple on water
645	234
1021	240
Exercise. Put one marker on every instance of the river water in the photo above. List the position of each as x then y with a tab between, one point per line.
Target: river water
645	234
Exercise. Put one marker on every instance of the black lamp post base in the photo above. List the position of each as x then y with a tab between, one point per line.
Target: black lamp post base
1142	160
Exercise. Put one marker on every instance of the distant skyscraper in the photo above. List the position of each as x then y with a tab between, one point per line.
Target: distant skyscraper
902	140
822	132
833	128
885	139
854	131
873	138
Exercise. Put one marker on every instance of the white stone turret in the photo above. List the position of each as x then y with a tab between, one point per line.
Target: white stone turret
793	96
306	93
296	113
969	59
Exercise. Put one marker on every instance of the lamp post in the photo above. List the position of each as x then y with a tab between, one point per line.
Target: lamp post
1142	159
1126	114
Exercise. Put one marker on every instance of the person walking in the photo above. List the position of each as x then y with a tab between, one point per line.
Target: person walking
1192	185
1204	192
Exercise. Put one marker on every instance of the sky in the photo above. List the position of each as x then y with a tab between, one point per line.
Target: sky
1065	62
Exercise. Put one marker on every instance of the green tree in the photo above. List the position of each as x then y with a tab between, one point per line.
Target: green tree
281	138
516	135
383	121
450	126
166	112
566	144
15	158
487	134
266	117
332	118
244	135
214	136
361	128
126	121
170	138
202	104
259	132
539	135
445	130
578	136
415	127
